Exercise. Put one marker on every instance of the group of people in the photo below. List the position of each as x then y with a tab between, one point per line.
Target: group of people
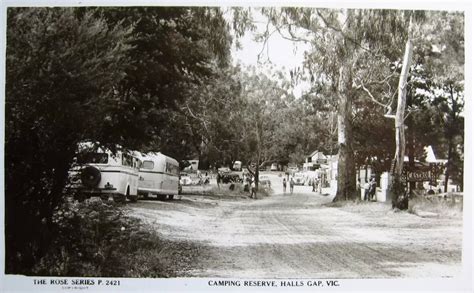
315	184
370	188
291	182
249	183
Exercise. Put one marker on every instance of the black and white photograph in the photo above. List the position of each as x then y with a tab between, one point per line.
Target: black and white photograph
225	146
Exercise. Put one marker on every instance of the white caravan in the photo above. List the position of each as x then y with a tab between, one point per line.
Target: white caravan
159	175
98	172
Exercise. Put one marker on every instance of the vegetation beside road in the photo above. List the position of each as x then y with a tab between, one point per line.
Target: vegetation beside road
97	239
446	207
437	206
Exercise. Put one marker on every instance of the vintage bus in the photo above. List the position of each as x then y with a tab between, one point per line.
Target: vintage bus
99	172
159	175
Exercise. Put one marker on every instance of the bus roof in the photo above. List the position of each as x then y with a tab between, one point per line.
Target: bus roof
157	157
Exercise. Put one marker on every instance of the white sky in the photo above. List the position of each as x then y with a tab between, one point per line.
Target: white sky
281	54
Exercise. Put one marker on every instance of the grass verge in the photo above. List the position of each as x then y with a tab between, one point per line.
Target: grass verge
450	207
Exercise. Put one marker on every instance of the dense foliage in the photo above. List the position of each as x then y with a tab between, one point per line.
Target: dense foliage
112	75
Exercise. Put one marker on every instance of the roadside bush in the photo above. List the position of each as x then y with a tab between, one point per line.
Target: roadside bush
96	238
446	207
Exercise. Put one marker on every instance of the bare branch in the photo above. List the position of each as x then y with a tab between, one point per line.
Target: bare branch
386	106
411	111
203	121
265	41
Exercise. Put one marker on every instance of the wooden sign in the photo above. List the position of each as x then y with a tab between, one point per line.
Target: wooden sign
421	173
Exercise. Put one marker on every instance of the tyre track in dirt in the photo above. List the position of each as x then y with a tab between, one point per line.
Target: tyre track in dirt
306	259
295	236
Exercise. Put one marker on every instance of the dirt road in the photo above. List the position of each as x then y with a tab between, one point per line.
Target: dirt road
286	236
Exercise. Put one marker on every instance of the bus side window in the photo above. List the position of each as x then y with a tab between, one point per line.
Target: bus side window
135	164
139	163
126	160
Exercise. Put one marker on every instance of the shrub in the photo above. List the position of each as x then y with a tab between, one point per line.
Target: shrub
446	207
96	238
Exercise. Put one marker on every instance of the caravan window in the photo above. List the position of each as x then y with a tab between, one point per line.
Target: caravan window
148	165
173	169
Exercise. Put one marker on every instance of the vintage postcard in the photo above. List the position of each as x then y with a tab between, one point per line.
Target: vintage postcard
195	146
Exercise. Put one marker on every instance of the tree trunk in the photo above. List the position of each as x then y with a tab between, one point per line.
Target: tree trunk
257	171
411	156
346	175
399	198
448	164
450	137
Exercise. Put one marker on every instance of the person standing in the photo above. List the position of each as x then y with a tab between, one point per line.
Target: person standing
372	188
253	190
366	190
358	186
284	185
292	184
218	179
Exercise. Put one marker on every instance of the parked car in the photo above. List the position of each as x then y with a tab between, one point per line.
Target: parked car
264	181
299	179
185	179
228	176
292	170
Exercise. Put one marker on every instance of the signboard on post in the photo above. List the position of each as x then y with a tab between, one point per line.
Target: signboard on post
421	173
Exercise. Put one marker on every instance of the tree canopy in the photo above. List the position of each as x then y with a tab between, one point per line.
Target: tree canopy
111	75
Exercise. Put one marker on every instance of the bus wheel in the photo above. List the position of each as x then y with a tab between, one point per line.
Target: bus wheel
171	196
133	198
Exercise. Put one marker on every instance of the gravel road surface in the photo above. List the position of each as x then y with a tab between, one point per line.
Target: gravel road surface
301	236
